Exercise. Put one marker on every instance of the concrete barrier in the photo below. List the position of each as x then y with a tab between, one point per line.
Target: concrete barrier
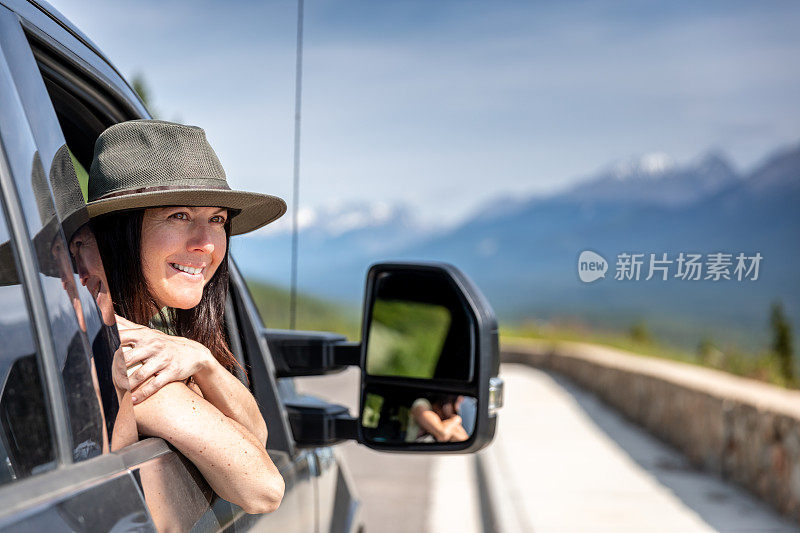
743	430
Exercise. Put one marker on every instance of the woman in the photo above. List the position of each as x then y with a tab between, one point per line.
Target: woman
162	215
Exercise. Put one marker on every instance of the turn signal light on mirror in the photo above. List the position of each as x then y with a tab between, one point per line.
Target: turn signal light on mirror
495	395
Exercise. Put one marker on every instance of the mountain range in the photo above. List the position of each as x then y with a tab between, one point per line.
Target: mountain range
523	252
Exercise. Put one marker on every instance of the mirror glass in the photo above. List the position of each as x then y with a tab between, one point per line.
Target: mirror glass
418	328
417	417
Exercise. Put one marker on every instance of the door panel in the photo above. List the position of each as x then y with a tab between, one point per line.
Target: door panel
112	505
175	492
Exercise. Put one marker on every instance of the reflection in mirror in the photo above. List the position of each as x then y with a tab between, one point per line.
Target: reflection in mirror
418	328
417	417
406	338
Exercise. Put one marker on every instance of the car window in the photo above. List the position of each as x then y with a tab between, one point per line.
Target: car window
26	444
60	108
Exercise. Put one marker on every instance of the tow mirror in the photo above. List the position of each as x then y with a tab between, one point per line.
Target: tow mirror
430	358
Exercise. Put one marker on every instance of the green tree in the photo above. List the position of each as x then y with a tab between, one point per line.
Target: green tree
640	333
782	341
141	88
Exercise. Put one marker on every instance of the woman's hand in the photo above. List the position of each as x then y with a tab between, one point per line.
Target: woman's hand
154	359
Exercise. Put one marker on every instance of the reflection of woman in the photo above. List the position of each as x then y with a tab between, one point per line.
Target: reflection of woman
162	215
436	420
110	367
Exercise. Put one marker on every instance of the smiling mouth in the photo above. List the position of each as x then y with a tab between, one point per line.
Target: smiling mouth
192	271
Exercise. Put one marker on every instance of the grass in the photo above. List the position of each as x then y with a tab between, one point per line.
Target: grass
762	365
406	338
313	314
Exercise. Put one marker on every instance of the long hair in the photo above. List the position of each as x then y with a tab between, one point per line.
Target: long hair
119	239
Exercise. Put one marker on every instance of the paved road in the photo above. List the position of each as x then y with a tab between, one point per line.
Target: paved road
572	464
397	490
565	462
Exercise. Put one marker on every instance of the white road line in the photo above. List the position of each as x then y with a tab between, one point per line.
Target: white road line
454	504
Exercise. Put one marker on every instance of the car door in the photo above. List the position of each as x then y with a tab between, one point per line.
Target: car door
298	510
71	94
175	492
54	452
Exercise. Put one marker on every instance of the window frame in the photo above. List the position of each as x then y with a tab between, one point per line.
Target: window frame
27	266
67	475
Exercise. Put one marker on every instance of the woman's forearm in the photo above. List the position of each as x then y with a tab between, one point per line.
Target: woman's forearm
225	392
232	460
430	422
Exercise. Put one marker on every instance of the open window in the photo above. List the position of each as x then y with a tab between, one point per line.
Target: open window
85	106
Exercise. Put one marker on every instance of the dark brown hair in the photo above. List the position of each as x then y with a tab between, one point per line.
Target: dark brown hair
119	239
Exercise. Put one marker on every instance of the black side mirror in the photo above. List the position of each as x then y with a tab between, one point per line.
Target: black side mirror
430	360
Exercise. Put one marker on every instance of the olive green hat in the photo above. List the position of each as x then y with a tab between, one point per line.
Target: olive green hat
153	163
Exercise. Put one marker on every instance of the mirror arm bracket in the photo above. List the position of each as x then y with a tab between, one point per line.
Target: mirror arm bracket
346	428
310	353
347	353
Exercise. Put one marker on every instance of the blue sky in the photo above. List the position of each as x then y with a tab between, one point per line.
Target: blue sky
445	105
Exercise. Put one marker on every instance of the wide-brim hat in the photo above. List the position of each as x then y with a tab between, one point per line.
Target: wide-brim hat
154	163
48	232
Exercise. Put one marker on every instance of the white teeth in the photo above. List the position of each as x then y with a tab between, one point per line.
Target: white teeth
187	269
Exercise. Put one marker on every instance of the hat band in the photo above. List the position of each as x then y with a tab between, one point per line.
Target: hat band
160	188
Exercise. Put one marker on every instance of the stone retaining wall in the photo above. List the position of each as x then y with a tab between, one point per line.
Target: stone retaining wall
743	430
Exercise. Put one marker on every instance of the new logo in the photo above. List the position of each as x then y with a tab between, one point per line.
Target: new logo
591	266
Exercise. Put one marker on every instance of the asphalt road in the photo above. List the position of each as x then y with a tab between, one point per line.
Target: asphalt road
395	490
570	463
561	461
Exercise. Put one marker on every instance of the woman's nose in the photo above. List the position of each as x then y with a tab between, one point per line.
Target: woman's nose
201	239
83	273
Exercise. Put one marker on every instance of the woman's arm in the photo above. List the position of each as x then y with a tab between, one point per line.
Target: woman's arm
167	358
232	460
428	420
225	392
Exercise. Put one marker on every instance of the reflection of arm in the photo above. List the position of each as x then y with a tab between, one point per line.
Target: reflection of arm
459	434
231	459
430	422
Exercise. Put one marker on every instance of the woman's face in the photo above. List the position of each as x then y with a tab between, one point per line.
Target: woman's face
83	248
182	247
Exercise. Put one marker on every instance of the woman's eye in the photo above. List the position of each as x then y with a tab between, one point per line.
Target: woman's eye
180	216
218	219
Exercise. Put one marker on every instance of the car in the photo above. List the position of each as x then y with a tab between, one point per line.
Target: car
427	335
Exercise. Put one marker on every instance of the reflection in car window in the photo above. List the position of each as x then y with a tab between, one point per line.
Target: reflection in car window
67	321
26	445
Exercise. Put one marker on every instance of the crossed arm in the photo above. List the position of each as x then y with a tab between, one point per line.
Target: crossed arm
448	430
160	359
233	461
220	429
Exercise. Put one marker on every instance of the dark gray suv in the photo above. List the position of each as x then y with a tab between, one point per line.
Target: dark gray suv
429	338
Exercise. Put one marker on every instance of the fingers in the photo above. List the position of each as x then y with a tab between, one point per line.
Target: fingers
136	355
149	388
144	372
133	335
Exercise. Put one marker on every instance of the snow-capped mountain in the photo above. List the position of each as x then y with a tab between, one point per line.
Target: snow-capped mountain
655	179
522	253
329	237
